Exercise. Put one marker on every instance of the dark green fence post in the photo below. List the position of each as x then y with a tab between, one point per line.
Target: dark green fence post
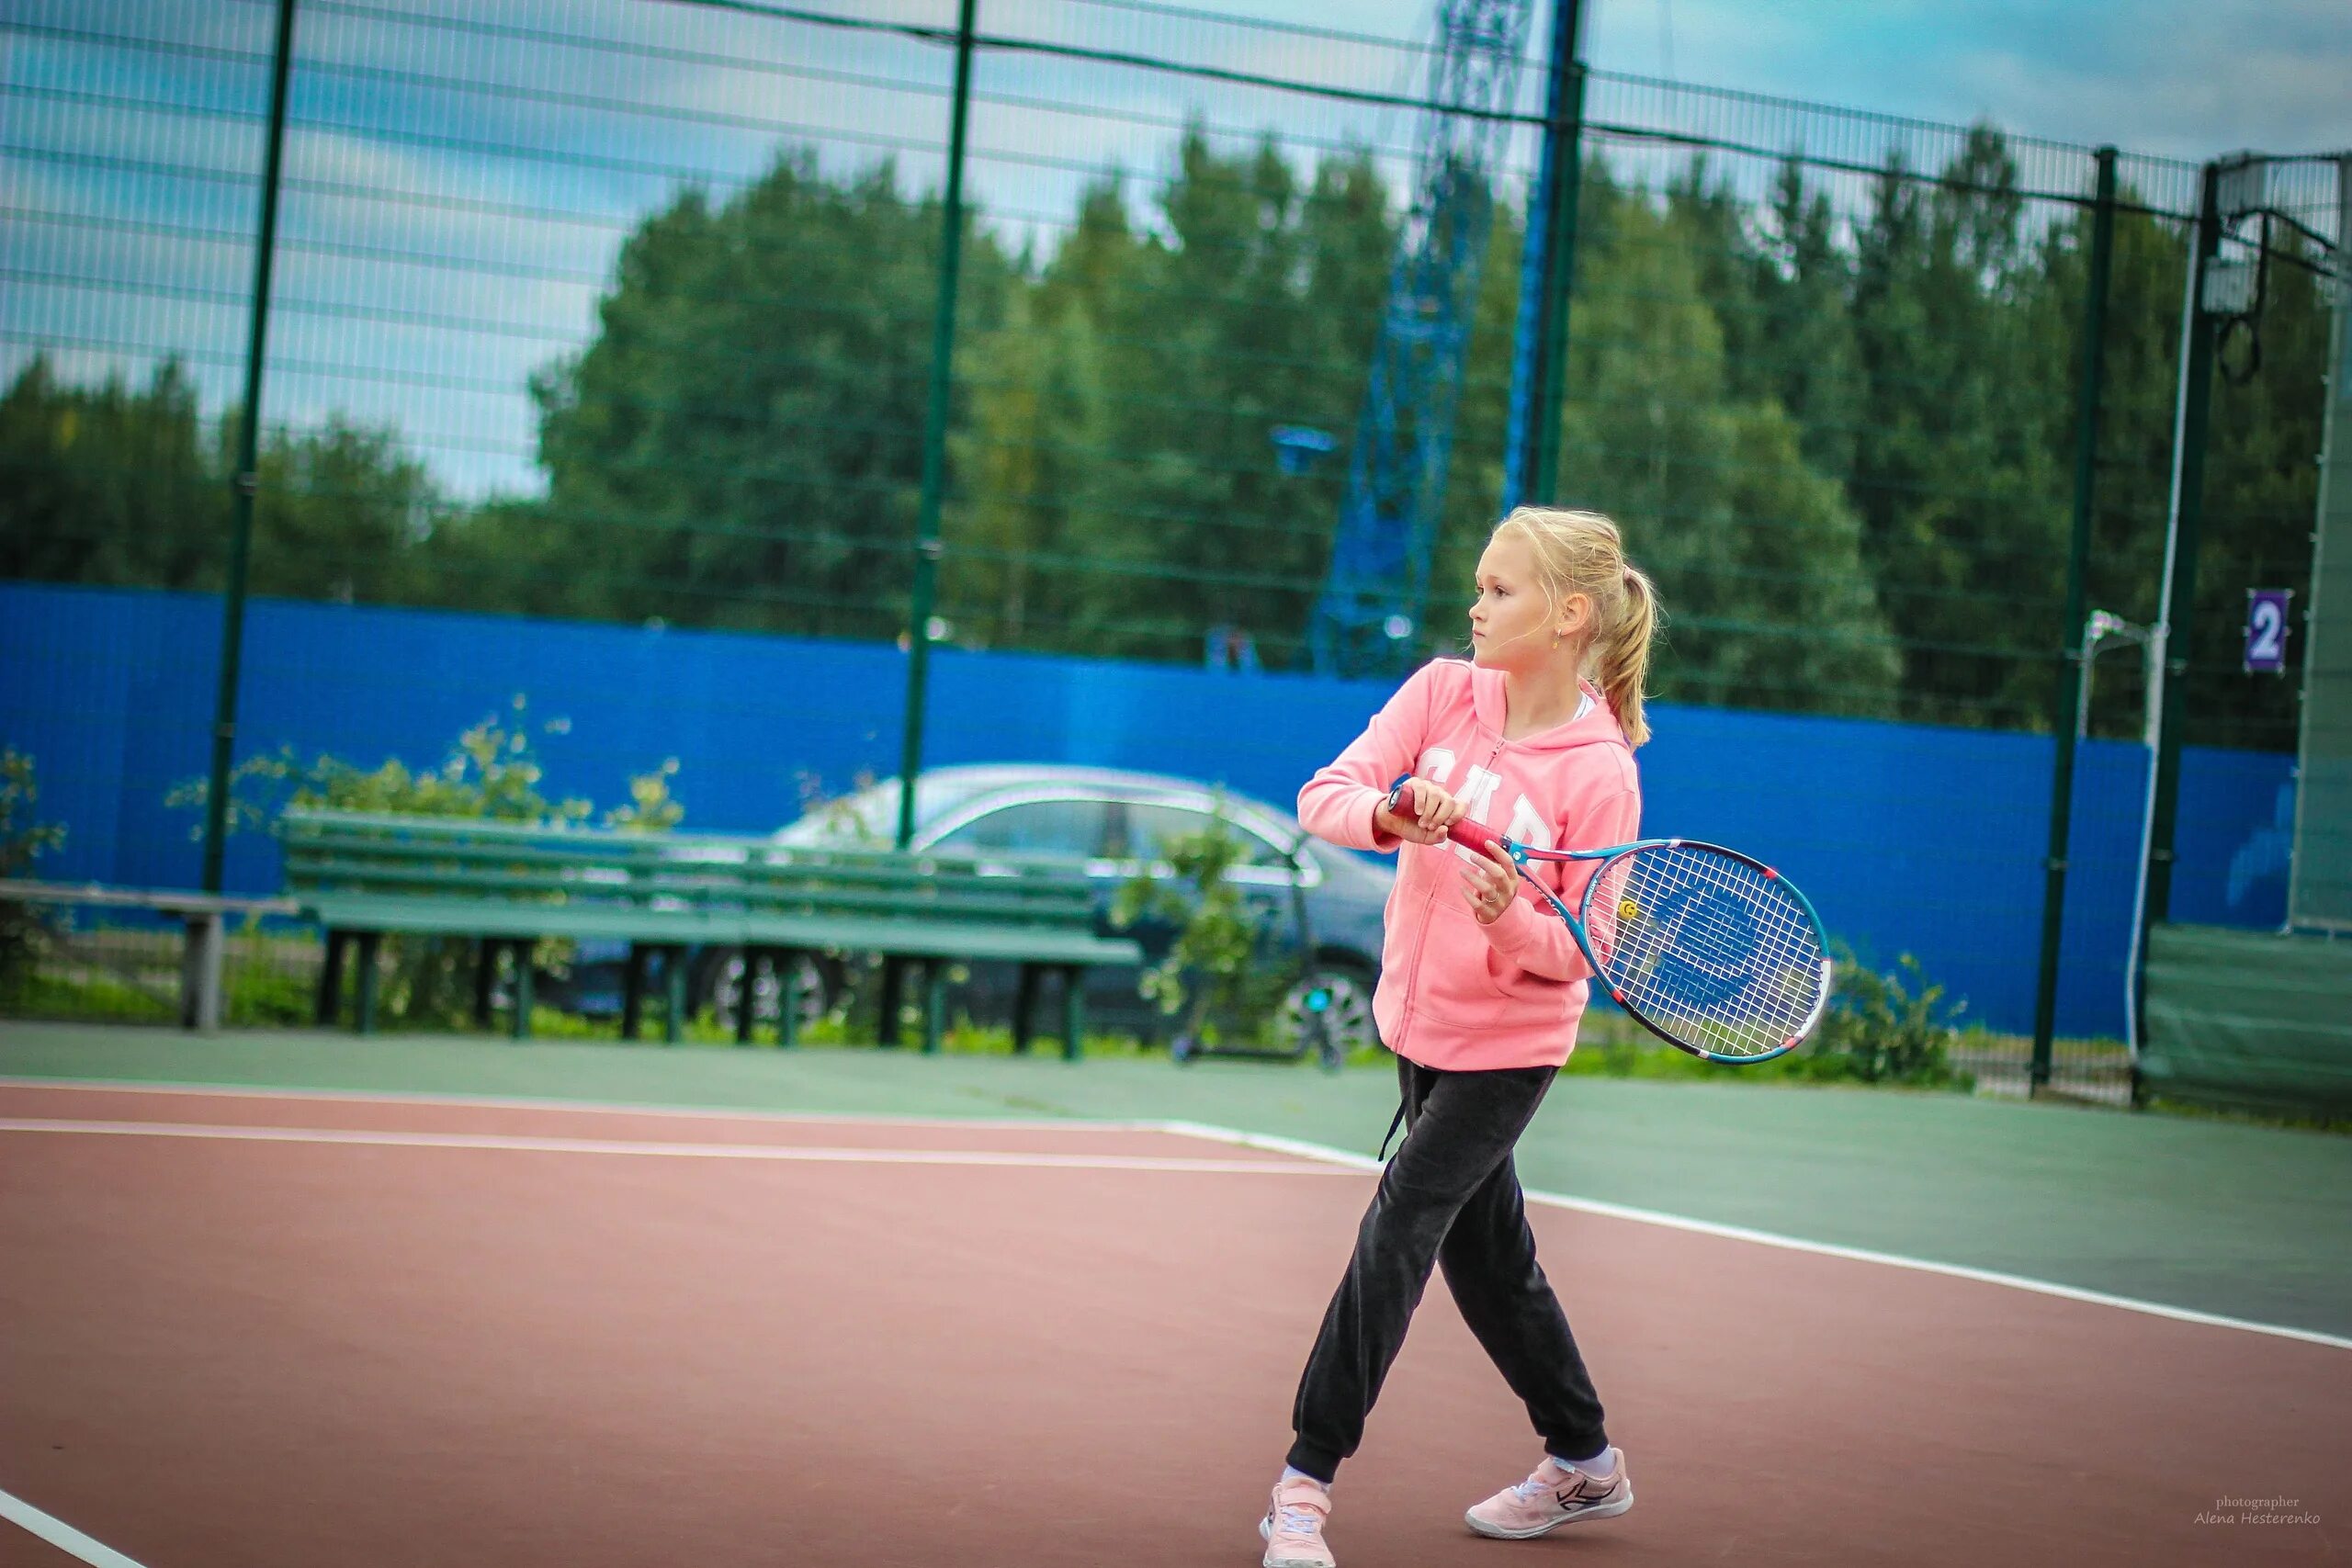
1560	264
240	525
1544	279
2066	696
2180	587
934	435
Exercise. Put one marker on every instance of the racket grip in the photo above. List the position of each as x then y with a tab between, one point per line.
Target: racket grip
1470	835
1475	836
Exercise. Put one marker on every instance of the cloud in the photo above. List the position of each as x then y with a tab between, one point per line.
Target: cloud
2177	78
428	225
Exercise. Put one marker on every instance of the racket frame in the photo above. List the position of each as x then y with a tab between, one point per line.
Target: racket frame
1521	854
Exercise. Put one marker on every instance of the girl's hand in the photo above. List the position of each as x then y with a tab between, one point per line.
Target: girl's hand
1490	883
1428	811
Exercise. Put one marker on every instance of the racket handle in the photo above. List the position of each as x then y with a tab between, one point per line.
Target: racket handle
1477	836
1470	835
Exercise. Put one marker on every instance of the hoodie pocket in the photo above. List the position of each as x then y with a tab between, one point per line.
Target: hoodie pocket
1464	981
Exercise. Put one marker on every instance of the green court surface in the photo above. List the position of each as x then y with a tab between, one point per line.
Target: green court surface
2245	1222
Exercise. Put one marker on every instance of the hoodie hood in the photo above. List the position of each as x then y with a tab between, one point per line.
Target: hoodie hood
1595	724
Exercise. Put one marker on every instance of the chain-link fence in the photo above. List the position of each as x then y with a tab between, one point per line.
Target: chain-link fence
620	311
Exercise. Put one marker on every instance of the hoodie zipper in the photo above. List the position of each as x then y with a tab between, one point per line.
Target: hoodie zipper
1429	909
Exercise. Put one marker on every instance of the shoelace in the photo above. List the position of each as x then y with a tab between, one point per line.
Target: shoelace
1297	1521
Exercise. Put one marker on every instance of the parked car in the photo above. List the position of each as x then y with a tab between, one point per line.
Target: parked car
1322	904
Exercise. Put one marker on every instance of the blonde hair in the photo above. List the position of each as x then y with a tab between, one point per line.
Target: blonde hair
1582	552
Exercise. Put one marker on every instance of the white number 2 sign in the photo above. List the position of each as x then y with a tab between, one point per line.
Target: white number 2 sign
2266	630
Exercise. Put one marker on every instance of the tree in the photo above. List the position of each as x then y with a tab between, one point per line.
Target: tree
1962	499
1757	555
106	484
111	485
741	442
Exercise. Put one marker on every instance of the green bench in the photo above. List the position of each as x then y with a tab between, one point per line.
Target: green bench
505	886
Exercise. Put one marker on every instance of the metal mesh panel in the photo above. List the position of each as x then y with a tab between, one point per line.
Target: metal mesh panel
2319	881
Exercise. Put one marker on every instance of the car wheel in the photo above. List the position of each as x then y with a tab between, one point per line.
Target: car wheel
1329	1009
724	991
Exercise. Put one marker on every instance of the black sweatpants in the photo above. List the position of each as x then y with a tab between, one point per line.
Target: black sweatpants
1451	1196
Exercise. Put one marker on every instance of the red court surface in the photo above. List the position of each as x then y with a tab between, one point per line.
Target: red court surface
254	1330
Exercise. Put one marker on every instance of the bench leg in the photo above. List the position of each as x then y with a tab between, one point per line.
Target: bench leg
331	979
523	998
674	985
935	1004
1024	1009
368	943
894	992
485	979
1073	1012
747	997
787	997
200	974
633	993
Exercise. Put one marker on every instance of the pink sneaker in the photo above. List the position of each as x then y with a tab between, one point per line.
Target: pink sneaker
1554	1496
1293	1526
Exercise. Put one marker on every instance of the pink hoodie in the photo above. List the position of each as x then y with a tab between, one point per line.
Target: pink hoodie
1454	994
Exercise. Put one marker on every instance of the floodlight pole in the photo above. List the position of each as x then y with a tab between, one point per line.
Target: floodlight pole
2070	698
245	482
2168	652
935	435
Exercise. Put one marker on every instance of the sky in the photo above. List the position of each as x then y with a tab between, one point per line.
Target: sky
461	175
2179	78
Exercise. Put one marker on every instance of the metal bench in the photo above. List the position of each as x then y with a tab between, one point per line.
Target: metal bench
202	914
362	876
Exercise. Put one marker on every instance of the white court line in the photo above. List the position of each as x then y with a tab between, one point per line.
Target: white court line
1322	1153
528	1102
376	1139
60	1535
1344	1159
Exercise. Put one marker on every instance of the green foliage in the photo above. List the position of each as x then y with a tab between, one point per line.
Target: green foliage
23	838
490	773
741	442
1757	557
109	484
1889	1027
1212	962
651	808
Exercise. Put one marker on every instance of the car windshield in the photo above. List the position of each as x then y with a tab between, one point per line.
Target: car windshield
1151	826
871	816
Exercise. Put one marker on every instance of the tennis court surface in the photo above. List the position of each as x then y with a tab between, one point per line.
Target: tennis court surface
251	1328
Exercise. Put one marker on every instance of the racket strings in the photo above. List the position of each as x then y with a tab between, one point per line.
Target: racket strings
1708	947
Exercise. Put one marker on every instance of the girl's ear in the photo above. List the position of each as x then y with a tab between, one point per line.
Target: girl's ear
1576	614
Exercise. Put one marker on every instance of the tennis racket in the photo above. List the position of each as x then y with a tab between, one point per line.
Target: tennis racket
1712	950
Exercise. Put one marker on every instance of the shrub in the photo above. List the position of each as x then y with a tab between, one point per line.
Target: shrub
1888	1027
23	840
1213	961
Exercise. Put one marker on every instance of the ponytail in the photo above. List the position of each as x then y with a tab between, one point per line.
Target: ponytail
1623	653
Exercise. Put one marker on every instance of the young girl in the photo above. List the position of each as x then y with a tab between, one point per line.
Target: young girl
1480	989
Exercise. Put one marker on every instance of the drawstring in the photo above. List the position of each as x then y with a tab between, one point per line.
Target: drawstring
1394	1123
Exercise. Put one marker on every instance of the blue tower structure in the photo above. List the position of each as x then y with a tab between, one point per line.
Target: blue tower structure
1365	616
